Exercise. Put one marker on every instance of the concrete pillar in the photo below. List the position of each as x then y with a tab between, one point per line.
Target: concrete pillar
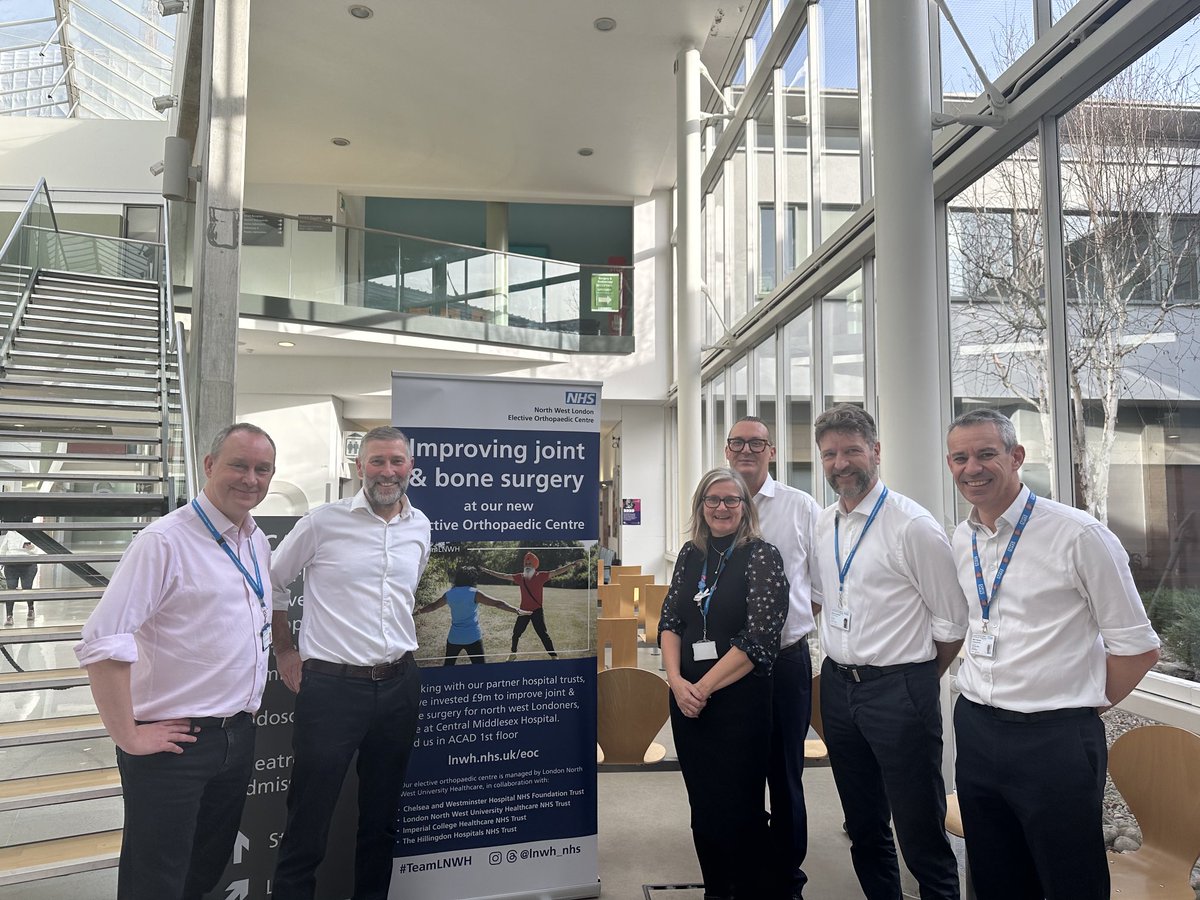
689	301
496	238
221	154
909	343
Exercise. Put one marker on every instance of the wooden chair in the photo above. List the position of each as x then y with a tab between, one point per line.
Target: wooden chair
616	601
621	634
1157	770
631	707
614	571
636	582
650	610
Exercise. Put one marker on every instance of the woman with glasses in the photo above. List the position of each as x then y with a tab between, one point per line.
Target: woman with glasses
719	634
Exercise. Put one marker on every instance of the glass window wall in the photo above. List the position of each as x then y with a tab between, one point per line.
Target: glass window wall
797	469
841	139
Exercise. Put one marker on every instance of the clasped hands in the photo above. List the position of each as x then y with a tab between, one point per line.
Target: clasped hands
690	698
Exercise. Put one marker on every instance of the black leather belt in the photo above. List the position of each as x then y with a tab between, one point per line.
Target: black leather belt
379	672
221	721
794	646
1045	715
859	674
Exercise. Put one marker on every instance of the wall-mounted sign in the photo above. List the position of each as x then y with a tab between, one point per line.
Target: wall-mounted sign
314	223
631	511
606	292
353	444
262	230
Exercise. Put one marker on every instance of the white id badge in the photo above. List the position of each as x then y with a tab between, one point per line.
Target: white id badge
265	635
839	618
983	645
702	650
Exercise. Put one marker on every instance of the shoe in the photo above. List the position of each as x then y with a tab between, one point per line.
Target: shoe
30	616
511	657
8	620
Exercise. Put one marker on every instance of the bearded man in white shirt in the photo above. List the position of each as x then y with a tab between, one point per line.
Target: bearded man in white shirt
891	622
176	653
1057	635
788	519
358	684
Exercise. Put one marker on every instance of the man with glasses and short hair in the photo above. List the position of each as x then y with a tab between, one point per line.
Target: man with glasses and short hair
788	519
892	621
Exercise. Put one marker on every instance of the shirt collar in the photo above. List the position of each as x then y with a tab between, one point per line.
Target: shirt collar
360	501
1009	516
219	520
768	487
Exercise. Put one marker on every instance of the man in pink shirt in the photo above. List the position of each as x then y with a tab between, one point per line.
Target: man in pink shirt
176	652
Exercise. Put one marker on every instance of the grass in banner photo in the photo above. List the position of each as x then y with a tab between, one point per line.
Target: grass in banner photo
497	571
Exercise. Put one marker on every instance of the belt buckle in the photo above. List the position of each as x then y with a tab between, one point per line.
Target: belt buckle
379	671
854	672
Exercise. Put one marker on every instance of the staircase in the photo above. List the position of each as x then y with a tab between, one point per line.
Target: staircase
91	451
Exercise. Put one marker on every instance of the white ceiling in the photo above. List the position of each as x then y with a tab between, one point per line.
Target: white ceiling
489	99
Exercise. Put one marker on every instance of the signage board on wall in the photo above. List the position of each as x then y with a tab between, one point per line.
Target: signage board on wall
606	292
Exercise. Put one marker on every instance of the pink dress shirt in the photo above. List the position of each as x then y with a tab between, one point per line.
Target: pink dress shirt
179	610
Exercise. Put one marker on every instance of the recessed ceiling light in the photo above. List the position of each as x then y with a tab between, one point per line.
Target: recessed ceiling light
585	151
286	343
361	12
605	23
340	141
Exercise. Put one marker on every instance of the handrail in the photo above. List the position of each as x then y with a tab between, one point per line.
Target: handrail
41	186
164	337
189	454
99	237
425	240
10	333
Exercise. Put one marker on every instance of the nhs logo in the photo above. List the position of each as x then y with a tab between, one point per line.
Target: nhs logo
581	398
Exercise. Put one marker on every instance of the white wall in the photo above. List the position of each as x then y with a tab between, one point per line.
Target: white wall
308	441
92	155
643	432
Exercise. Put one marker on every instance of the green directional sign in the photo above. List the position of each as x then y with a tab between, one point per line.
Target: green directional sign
606	292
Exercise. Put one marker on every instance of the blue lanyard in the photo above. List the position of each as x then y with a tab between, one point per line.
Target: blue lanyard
255	582
984	600
844	569
725	555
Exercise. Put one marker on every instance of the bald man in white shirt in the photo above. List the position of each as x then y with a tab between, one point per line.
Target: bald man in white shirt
176	653
359	687
1057	634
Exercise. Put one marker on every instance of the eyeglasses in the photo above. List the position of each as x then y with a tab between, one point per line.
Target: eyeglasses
730	502
756	445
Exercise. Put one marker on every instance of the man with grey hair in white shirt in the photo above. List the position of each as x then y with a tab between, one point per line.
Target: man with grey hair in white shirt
358	683
1057	635
891	623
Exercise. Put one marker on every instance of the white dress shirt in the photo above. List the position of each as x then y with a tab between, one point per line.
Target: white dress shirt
182	613
788	519
360	579
901	590
1067	595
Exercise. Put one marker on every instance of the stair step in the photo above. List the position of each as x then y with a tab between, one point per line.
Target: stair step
49	731
149	374
38	595
122	477
19	635
147	405
61	334
22	434
127	525
42	679
47	320
98	283
80	385
22	863
80	457
66	787
81	350
17	503
87	306
19	416
61	558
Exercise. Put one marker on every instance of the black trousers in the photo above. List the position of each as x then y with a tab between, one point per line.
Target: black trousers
474	651
182	812
1031	797
885	748
723	758
19	575
538	620
791	712
337	717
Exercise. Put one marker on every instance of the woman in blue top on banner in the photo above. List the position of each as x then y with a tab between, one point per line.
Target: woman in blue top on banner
463	600
719	634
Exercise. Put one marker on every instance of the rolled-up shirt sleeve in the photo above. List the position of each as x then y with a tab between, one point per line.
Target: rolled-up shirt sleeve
669	619
134	593
766	607
1102	575
289	559
930	562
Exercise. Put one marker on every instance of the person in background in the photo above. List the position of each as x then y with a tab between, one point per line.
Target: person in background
463	599
18	574
532	583
1058	634
176	652
719	634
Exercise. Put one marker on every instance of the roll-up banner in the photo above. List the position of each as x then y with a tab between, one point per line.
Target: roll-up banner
500	798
